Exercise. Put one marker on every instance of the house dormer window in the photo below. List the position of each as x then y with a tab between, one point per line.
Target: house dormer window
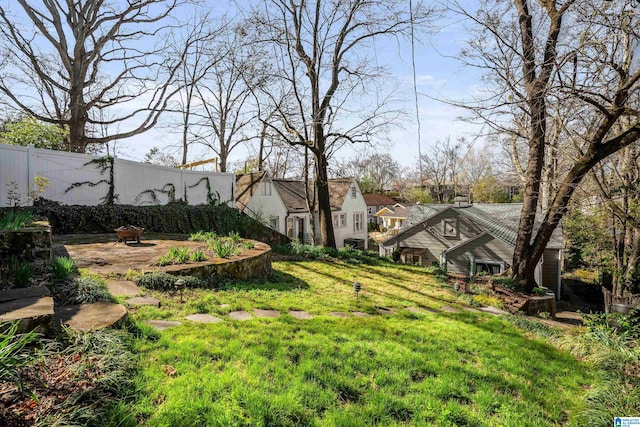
354	192
450	227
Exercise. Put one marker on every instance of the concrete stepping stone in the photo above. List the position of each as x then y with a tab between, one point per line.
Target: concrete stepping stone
339	314
471	310
138	301
360	314
161	325
123	288
415	310
448	309
86	317
272	314
204	318
300	314
383	310
493	310
22	293
240	315
32	313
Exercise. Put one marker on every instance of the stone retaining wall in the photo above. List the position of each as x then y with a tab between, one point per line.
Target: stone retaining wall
30	242
535	305
245	268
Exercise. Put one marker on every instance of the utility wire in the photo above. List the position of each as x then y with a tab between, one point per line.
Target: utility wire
415	93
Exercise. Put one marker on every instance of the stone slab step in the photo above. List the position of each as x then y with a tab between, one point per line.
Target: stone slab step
240	315
32	313
123	288
204	318
266	313
339	314
85	317
138	301
493	310
448	309
300	314
30	292
360	314
161	325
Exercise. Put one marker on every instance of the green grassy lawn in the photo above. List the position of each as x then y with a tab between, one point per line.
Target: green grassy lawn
440	368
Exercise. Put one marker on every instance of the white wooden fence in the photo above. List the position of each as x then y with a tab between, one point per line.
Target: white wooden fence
81	179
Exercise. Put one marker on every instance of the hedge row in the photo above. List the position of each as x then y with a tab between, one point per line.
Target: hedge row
170	218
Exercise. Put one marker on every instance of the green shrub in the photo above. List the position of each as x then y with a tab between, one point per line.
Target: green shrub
248	244
505	282
234	236
21	271
202	236
13	219
170	218
179	255
197	256
487	300
164	260
166	282
84	290
538	291
395	255
12	354
62	268
225	248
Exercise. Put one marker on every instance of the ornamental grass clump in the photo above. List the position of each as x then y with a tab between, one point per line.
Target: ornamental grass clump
84	290
166	282
13	220
20	271
12	353
62	268
225	248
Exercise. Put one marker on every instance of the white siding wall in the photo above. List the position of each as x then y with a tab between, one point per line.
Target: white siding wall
131	179
263	207
351	206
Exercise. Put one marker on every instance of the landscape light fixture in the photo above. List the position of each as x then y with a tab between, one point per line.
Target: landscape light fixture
356	289
179	284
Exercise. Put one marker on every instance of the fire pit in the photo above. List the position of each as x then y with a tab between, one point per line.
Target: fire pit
129	232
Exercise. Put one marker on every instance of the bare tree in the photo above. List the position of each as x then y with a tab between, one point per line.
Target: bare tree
441	167
320	50
616	182
534	60
226	95
73	59
373	171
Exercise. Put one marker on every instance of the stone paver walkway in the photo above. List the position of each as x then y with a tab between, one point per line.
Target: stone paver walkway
123	288
360	314
240	315
161	325
137	301
271	314
383	310
300	314
448	309
493	310
338	314
204	318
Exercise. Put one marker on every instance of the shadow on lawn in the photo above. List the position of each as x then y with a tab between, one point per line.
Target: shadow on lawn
278	281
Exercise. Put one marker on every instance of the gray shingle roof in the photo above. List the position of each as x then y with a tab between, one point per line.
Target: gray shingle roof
499	219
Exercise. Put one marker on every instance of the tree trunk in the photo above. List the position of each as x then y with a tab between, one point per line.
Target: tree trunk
324	206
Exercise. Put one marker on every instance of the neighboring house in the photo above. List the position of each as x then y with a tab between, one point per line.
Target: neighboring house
471	239
393	218
375	202
281	204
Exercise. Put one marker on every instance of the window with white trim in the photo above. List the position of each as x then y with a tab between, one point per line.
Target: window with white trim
358	221
340	220
489	267
413	259
274	222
